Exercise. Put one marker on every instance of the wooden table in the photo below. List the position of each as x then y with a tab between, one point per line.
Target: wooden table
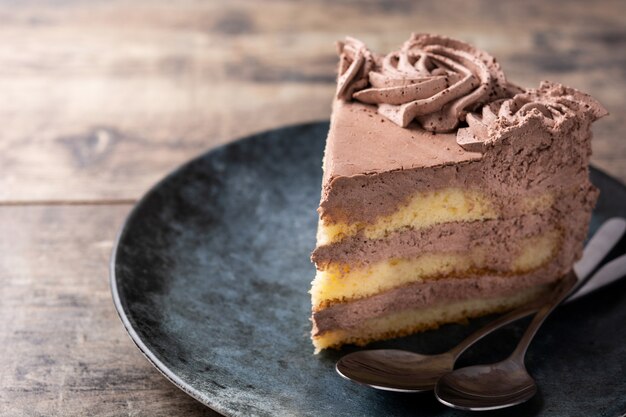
98	100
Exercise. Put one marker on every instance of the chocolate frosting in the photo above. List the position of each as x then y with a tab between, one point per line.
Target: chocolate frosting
432	79
440	82
553	105
355	63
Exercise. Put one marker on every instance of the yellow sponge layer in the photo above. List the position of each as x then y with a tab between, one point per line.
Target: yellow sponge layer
538	203
536	251
425	209
422	210
417	320
341	283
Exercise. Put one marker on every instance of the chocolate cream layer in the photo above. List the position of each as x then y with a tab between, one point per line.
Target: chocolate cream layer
429	293
500	236
530	155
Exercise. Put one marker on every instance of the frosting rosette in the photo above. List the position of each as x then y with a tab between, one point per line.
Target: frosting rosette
551	104
355	63
431	79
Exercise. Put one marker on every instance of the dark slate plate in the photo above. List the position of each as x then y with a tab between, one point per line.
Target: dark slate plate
210	276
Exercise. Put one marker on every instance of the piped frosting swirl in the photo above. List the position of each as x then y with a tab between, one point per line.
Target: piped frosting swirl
433	80
355	63
551	104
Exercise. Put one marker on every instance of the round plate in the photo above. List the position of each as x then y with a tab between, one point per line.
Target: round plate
211	272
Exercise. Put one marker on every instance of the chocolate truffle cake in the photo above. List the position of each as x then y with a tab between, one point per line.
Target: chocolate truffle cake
448	193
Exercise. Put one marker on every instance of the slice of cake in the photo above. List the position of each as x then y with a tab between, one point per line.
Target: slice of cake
448	193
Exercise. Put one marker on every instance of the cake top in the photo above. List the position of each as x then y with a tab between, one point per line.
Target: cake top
361	141
435	102
440	84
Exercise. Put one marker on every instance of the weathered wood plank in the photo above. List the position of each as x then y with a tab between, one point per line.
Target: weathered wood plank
63	350
101	99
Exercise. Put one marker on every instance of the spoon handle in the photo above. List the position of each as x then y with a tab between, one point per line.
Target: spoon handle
610	272
501	321
596	249
563	289
599	246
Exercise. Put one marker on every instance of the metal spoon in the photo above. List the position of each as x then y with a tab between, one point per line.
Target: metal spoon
502	384
403	371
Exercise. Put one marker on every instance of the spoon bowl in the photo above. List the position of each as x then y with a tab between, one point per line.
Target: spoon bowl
487	387
395	370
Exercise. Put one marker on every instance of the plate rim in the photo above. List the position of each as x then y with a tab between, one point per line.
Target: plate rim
132	333
122	313
163	369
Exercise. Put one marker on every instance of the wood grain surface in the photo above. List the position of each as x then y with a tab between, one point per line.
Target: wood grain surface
100	99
